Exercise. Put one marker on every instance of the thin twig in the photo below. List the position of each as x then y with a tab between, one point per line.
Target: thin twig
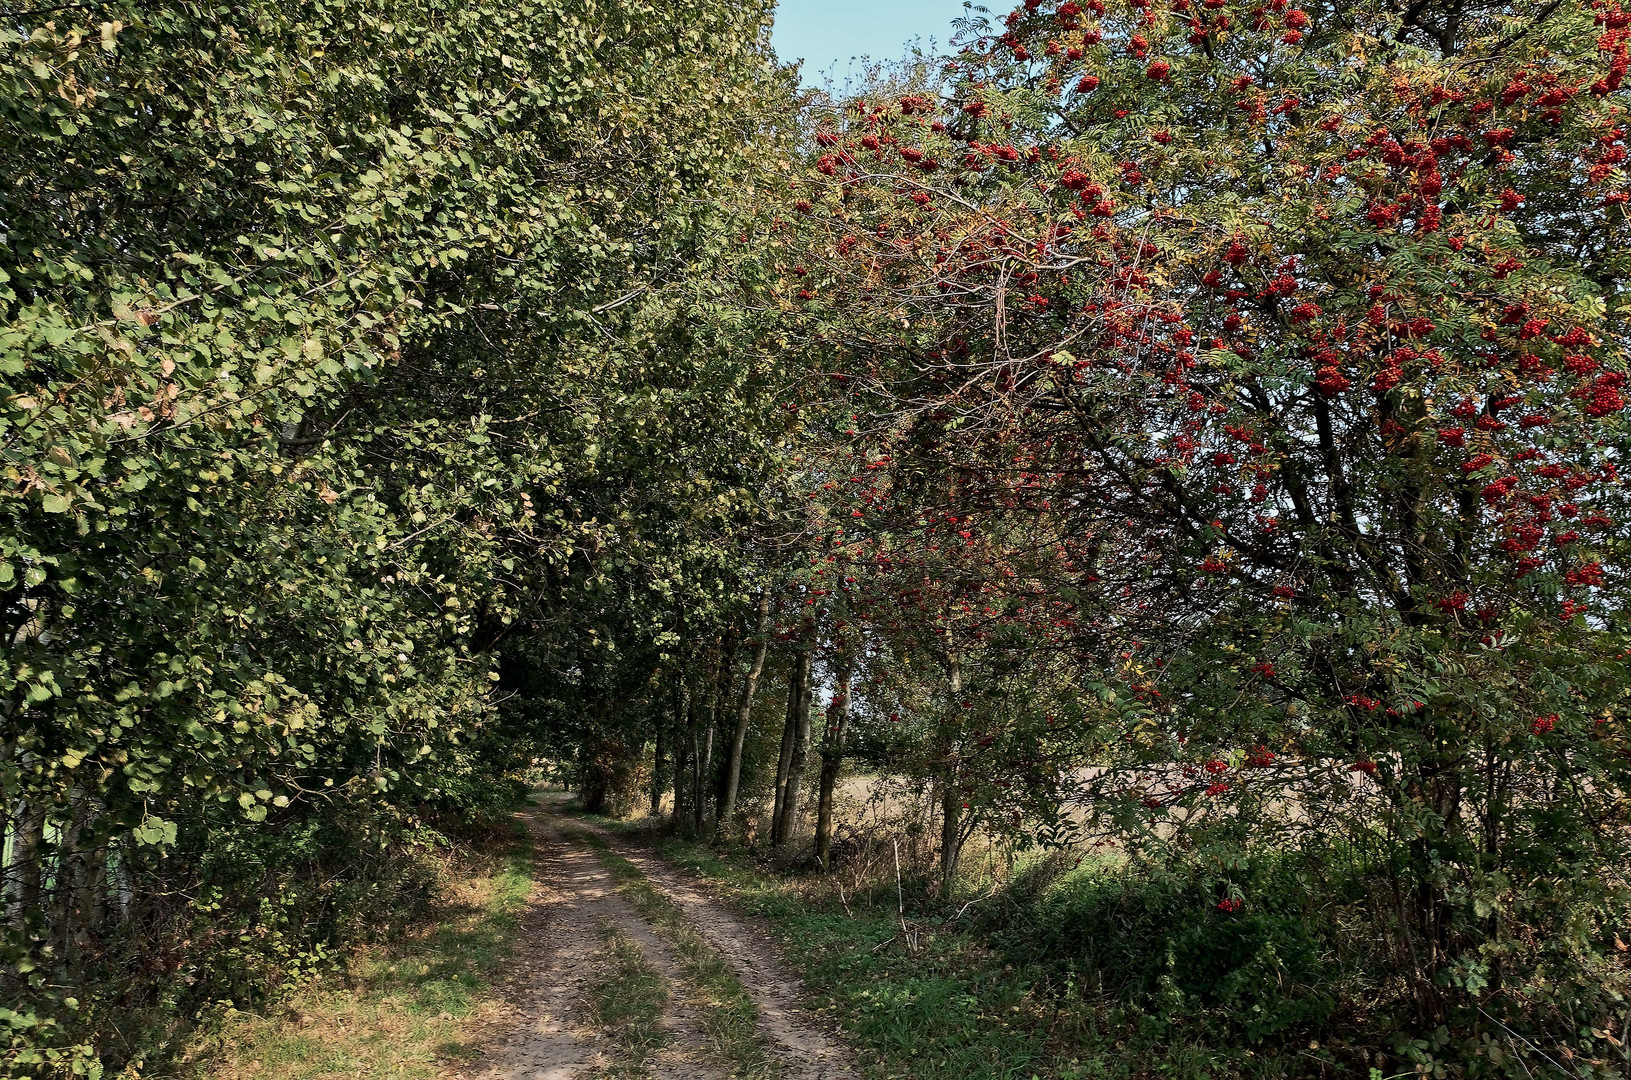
900	904
621	300
974	901
1527	1043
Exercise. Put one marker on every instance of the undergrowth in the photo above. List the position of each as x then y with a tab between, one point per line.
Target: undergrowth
391	1010
1080	971
1107	966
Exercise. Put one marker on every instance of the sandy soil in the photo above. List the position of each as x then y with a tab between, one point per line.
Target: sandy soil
543	1032
803	1049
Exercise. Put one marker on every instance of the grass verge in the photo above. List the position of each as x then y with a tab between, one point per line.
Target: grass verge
730	1018
398	1010
945	1005
627	1003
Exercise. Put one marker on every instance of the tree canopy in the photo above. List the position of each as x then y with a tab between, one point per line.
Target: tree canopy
1195	427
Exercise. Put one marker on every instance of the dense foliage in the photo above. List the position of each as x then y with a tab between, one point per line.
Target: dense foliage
1244	382
1194	428
346	346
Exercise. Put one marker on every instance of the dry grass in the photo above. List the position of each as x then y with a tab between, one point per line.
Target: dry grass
402	1010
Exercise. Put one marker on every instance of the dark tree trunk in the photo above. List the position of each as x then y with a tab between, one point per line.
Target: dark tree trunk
744	713
799	756
705	751
682	744
28	856
92	889
657	783
784	760
832	759
951	836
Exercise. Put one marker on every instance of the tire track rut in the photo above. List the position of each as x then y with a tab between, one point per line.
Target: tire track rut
800	1043
545	1033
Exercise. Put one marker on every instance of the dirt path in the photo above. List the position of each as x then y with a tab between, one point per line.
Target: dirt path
802	1048
547	1033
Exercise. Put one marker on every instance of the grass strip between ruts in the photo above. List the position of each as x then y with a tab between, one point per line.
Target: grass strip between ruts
627	1002
730	1020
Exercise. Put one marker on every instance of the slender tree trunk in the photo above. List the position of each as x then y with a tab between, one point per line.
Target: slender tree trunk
694	765
7	808
29	856
682	745
951	827
65	914
93	890
682	763
799	758
744	713
832	758
727	719
1440	785
785	759
705	752
951	801
657	783
598	761
705	762
126	880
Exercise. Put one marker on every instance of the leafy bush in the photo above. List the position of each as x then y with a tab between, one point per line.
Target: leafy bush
1155	938
331	350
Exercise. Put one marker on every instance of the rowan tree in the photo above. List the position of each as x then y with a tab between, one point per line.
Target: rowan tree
1300	332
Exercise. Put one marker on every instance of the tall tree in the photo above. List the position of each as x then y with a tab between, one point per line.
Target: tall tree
1284	348
340	348
834	732
744	710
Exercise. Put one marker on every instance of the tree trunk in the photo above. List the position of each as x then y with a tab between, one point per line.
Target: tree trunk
693	761
705	752
65	895
682	745
785	759
727	719
93	890
744	713
657	770
951	829
832	757
600	760
28	856
126	880
1439	784
704	770
799	757
6	823
951	801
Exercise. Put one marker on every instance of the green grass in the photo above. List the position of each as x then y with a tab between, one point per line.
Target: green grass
950	1007
400	1010
729	1018
968	999
627	1002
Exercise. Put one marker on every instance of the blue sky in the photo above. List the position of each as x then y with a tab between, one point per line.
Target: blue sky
827	33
